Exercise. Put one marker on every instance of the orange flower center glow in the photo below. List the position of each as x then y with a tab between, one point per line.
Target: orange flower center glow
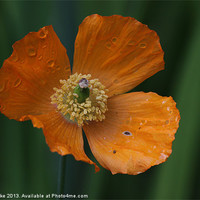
91	106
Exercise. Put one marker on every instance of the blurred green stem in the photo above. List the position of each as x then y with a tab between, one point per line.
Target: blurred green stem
61	175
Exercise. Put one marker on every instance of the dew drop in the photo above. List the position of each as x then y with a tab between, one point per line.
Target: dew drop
2	87
31	52
177	118
60	150
114	151
43	33
163	156
167	122
50	63
114	39
17	82
168	108
14	57
142	45
40	58
44	46
127	133
2	107
108	45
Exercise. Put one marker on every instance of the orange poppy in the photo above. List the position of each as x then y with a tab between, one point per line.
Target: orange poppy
127	133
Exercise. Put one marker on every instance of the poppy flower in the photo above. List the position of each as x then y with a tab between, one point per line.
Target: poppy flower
127	133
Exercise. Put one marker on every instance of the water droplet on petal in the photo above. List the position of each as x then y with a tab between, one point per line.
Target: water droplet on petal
40	58
2	87
108	45
142	45
114	39
44	46
14	57
31	52
127	133
167	122
163	156
177	118
2	107
17	82
50	63
43	32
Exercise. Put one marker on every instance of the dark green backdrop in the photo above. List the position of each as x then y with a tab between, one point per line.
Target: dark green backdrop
27	165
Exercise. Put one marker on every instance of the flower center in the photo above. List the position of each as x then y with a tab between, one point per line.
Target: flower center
81	99
82	90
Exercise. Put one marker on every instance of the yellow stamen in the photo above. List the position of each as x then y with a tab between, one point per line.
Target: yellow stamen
93	108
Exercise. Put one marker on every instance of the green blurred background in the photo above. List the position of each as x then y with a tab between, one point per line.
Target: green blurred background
27	165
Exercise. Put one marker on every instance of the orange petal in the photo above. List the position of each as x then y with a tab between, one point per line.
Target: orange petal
28	76
137	133
120	51
61	136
